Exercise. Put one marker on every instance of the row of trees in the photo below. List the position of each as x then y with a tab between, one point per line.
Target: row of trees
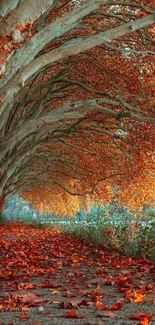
17	209
76	96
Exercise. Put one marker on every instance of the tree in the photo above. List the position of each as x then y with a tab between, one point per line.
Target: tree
76	92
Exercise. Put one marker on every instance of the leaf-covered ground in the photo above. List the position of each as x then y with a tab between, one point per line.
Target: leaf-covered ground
53	278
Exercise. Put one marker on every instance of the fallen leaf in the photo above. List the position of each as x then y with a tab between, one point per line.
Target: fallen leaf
145	320
100	305
109	314
117	306
29	298
68	304
149	287
73	314
24	316
135	296
95	294
55	292
56	302
25	308
136	316
29	286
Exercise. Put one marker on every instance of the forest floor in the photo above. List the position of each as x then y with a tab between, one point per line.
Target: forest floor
52	278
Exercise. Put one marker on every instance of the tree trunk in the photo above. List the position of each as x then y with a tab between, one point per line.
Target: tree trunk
2	203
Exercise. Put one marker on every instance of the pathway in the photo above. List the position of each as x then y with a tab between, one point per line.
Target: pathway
52	278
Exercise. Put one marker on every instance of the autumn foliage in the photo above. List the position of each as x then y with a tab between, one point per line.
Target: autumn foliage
77	102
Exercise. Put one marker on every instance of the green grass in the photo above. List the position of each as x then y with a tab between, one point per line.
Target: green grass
127	236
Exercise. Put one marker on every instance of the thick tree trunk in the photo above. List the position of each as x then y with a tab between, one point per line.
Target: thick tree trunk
27	11
2	203
23	128
7	6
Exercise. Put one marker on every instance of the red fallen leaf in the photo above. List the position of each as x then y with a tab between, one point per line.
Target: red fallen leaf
52	272
74	303
145	320
149	287
109	314
29	286
117	306
73	314
136	316
95	294
123	281
69	305
24	316
29	298
110	281
83	303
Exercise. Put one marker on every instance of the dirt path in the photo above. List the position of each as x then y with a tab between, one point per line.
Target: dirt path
51	278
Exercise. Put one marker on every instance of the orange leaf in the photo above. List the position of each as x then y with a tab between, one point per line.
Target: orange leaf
25	308
145	320
29	286
24	316
75	259
138	296
95	293
73	314
55	302
100	305
21	27
55	292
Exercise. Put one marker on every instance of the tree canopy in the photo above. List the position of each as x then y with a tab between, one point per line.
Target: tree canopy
77	100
